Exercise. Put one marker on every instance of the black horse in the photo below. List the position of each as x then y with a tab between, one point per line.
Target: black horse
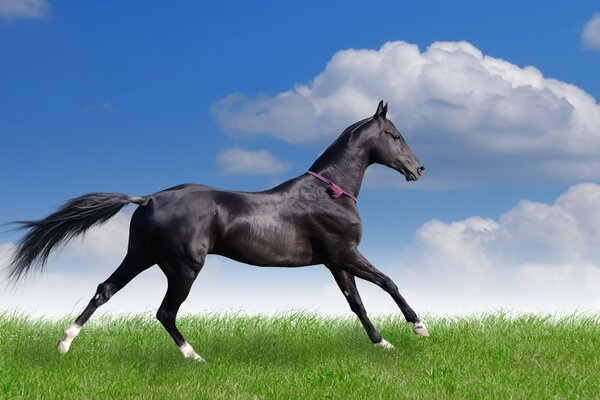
305	221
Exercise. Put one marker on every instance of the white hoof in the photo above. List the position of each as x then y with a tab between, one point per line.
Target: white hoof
420	329
189	353
70	334
63	346
384	344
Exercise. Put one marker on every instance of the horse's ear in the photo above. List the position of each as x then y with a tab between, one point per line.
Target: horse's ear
381	110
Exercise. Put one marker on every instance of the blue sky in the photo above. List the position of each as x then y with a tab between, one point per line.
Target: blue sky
136	97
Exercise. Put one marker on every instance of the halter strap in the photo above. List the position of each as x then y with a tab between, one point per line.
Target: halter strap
334	190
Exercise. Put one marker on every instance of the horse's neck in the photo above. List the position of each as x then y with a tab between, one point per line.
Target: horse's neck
343	165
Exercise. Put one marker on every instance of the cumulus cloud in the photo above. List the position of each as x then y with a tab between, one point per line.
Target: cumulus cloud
465	114
590	38
536	256
248	162
566	232
26	9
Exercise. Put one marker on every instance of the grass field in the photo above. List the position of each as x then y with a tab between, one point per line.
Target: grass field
304	357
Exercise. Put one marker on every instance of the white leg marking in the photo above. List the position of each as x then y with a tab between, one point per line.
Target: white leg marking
384	344
188	352
420	329
70	334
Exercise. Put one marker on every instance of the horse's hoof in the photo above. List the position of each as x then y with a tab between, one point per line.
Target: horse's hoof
384	344
198	359
420	329
63	346
70	334
189	353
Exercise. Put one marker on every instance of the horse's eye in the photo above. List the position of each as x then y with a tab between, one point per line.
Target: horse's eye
394	135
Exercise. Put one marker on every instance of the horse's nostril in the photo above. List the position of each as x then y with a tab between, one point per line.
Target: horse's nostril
421	169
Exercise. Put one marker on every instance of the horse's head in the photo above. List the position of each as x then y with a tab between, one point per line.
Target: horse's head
390	149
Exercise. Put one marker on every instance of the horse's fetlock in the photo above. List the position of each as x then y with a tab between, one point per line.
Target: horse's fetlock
104	292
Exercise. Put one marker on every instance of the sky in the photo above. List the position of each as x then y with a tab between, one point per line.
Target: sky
499	102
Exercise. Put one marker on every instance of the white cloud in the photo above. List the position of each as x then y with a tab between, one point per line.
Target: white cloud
28	9
590	37
535	257
248	162
566	232
467	116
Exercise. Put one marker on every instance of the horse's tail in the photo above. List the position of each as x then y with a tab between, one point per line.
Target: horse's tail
72	219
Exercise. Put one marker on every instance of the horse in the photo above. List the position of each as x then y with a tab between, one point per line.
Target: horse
309	220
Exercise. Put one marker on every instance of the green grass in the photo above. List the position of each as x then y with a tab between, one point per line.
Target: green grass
304	357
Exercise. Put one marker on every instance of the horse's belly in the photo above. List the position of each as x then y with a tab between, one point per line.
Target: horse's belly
266	242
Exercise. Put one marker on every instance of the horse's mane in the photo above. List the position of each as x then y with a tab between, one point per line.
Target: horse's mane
348	131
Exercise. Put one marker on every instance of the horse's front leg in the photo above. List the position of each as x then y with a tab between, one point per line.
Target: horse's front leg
348	287
359	266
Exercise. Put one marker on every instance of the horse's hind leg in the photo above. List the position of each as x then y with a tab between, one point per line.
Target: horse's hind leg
180	280
347	285
129	269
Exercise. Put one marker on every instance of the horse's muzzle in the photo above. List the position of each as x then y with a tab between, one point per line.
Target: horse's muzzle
413	176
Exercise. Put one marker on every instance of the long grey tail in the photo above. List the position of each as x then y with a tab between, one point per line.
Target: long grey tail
72	219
